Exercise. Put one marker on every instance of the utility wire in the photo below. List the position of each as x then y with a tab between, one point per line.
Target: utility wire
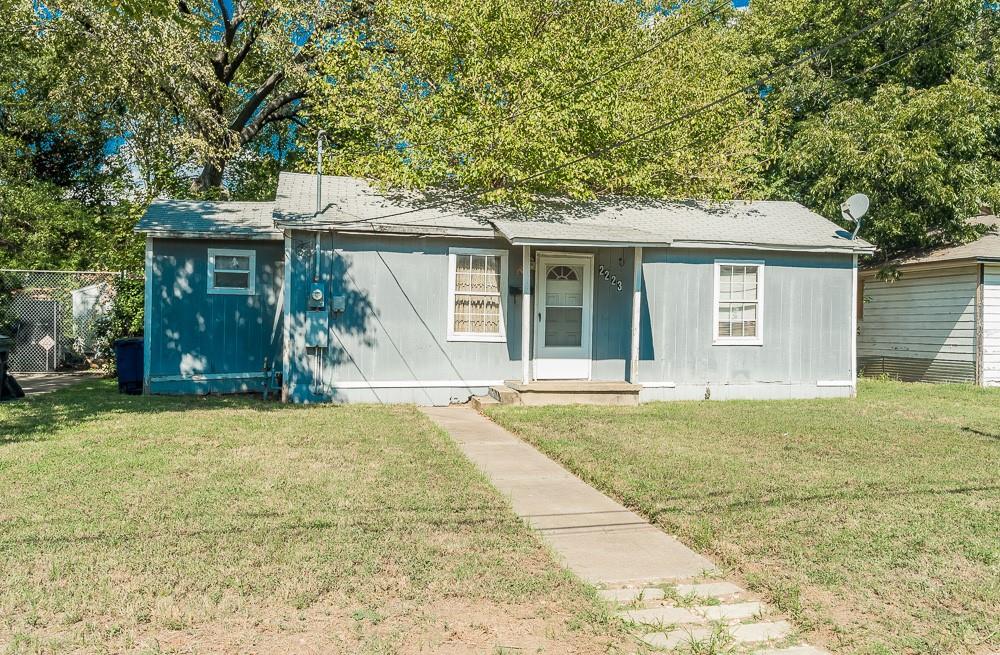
846	80
774	72
753	119
531	109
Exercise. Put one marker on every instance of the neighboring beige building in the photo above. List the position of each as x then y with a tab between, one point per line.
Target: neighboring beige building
940	321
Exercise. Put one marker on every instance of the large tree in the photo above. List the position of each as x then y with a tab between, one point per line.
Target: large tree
64	192
907	112
485	96
208	82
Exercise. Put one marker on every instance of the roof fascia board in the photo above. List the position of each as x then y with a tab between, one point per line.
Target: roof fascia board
584	243
723	245
176	234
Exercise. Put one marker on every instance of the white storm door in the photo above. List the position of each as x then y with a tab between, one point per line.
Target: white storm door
563	316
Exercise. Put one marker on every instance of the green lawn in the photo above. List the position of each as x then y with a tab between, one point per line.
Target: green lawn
152	525
875	522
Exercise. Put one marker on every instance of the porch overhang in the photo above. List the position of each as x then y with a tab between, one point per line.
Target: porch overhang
554	234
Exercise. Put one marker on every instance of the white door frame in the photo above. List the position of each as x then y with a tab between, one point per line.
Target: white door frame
564	363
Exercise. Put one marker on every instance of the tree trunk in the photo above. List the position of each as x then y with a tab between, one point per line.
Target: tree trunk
209	180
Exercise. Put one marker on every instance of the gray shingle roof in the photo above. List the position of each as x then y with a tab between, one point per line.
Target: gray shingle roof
774	224
985	248
353	203
202	219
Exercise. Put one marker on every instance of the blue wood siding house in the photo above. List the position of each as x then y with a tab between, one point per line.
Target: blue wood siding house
387	296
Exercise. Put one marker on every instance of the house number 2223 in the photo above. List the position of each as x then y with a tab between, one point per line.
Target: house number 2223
613	279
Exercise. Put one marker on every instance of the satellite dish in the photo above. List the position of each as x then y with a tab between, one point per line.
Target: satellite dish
854	209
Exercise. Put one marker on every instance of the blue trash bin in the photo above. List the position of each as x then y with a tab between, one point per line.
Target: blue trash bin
128	358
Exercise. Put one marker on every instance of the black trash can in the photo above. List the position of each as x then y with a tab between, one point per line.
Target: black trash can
9	388
128	359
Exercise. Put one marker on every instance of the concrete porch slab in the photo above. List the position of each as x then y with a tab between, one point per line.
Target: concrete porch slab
567	392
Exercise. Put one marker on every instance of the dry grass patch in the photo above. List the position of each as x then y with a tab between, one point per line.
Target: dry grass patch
187	525
874	522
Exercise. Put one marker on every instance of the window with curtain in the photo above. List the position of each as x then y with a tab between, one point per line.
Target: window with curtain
738	302
478	279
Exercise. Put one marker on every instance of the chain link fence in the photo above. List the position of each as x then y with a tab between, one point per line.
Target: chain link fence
53	316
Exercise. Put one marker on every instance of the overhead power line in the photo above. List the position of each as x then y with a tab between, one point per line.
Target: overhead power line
579	86
755	86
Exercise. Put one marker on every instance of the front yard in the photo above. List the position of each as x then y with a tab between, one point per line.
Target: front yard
152	525
875	523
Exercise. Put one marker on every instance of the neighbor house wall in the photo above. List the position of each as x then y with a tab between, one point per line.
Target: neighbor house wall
806	325
922	326
197	342
991	325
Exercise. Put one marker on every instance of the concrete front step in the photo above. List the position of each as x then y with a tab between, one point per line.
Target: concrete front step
719	590
666	615
630	595
730	612
481	402
566	392
744	633
505	395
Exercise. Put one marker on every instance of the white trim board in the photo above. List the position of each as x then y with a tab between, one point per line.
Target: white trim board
147	318
204	377
413	384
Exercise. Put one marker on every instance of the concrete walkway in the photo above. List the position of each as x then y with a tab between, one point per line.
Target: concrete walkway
600	540
35	383
661	587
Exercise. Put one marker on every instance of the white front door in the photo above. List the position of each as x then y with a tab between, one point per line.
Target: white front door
564	295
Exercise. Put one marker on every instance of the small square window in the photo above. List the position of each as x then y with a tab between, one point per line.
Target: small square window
231	271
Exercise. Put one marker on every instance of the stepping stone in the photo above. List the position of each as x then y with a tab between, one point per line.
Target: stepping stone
730	612
710	589
793	650
675	638
631	594
749	632
661	616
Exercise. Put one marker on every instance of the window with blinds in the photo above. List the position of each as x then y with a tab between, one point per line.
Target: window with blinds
478	279
738	302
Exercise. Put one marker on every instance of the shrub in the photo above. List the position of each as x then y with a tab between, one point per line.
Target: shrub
124	320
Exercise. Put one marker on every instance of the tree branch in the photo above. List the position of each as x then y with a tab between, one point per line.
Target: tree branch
279	109
250	108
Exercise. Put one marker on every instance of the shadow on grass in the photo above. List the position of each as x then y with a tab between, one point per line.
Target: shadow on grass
980	433
38	418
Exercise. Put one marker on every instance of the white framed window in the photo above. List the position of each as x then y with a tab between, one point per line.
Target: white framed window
477	294
738	302
232	271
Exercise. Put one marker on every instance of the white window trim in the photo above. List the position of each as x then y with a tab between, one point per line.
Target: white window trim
717	274
452	264
229	252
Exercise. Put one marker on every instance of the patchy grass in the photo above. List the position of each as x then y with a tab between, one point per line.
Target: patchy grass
154	525
875	522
